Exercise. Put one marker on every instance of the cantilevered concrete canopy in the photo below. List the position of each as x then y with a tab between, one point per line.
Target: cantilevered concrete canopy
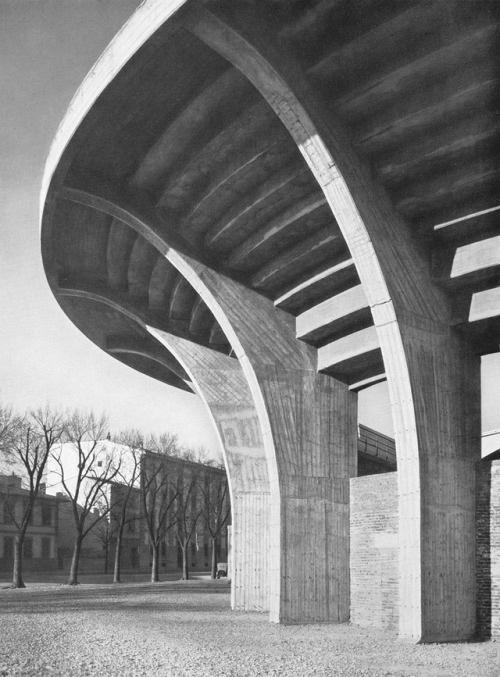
311	187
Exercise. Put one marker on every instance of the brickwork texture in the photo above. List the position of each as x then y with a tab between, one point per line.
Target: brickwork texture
374	551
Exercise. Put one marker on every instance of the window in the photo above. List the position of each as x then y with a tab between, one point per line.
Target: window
28	548
46	548
205	549
46	514
99	464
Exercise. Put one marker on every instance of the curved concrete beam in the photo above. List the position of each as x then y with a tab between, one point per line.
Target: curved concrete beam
139	319
138	29
134	309
153	352
426	363
201	317
221	384
282	265
308	423
251	245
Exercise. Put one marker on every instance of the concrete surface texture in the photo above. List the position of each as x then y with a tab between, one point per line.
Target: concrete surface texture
313	192
187	630
221	384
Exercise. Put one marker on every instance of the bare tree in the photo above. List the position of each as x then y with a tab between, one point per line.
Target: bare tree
199	455
86	485
215	510
31	439
158	496
123	511
6	427
104	530
166	444
188	510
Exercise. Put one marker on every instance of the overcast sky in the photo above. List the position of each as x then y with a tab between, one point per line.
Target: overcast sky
46	49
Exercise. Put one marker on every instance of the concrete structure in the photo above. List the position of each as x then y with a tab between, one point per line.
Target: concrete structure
310	189
220	382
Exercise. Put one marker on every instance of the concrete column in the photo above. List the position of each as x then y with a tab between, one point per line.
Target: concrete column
313	431
309	429
221	384
433	377
436	398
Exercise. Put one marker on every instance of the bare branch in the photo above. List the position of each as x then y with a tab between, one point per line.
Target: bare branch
31	440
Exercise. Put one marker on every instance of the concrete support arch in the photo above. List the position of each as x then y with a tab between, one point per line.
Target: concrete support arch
433	376
308	424
221	384
308	421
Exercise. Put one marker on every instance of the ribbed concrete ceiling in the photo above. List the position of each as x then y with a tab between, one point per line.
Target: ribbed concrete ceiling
181	134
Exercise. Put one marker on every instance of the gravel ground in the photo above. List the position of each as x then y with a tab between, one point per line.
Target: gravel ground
177	629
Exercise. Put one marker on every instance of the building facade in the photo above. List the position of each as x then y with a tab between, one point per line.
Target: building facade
190	497
42	537
49	541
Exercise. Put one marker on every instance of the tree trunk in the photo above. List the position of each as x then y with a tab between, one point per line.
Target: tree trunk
185	568
155	565
17	575
75	561
213	573
118	556
106	556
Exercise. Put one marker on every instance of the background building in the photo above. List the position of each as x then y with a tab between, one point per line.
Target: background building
136	549
50	537
184	492
42	537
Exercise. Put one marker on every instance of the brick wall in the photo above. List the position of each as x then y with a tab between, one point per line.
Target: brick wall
374	551
488	549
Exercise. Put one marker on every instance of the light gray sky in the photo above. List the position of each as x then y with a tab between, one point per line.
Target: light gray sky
46	49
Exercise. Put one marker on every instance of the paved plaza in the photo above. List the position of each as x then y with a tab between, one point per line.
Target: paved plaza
176	629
